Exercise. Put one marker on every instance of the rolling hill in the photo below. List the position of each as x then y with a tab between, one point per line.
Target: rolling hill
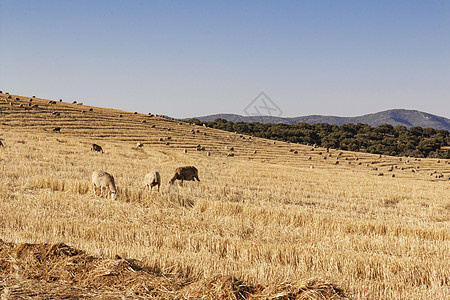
268	220
408	118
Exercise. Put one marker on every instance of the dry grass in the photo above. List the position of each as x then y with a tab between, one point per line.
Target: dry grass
257	225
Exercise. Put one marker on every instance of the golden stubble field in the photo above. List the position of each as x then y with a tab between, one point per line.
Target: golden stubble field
273	219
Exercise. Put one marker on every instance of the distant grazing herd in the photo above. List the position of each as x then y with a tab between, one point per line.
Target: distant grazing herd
105	181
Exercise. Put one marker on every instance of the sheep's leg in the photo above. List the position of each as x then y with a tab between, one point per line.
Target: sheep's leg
95	190
158	187
101	191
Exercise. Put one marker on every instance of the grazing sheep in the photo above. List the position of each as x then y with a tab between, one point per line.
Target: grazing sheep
208	153
57	129
185	173
91	109
254	152
96	148
139	145
185	151
230	155
152	179
103	180
74	102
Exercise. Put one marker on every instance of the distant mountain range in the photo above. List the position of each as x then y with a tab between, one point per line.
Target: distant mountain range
408	118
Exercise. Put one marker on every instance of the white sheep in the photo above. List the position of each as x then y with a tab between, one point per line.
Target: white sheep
103	180
152	179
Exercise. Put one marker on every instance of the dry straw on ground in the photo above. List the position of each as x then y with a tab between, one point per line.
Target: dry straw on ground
258	225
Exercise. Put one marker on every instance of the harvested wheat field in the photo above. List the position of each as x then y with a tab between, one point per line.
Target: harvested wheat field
285	222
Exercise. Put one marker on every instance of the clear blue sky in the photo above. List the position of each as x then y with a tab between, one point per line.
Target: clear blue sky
192	58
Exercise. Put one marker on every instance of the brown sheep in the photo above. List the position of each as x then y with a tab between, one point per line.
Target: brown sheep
152	179
103	180
96	148
189	173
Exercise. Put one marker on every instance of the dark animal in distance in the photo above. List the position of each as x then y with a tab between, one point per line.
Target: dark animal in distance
96	148
188	173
